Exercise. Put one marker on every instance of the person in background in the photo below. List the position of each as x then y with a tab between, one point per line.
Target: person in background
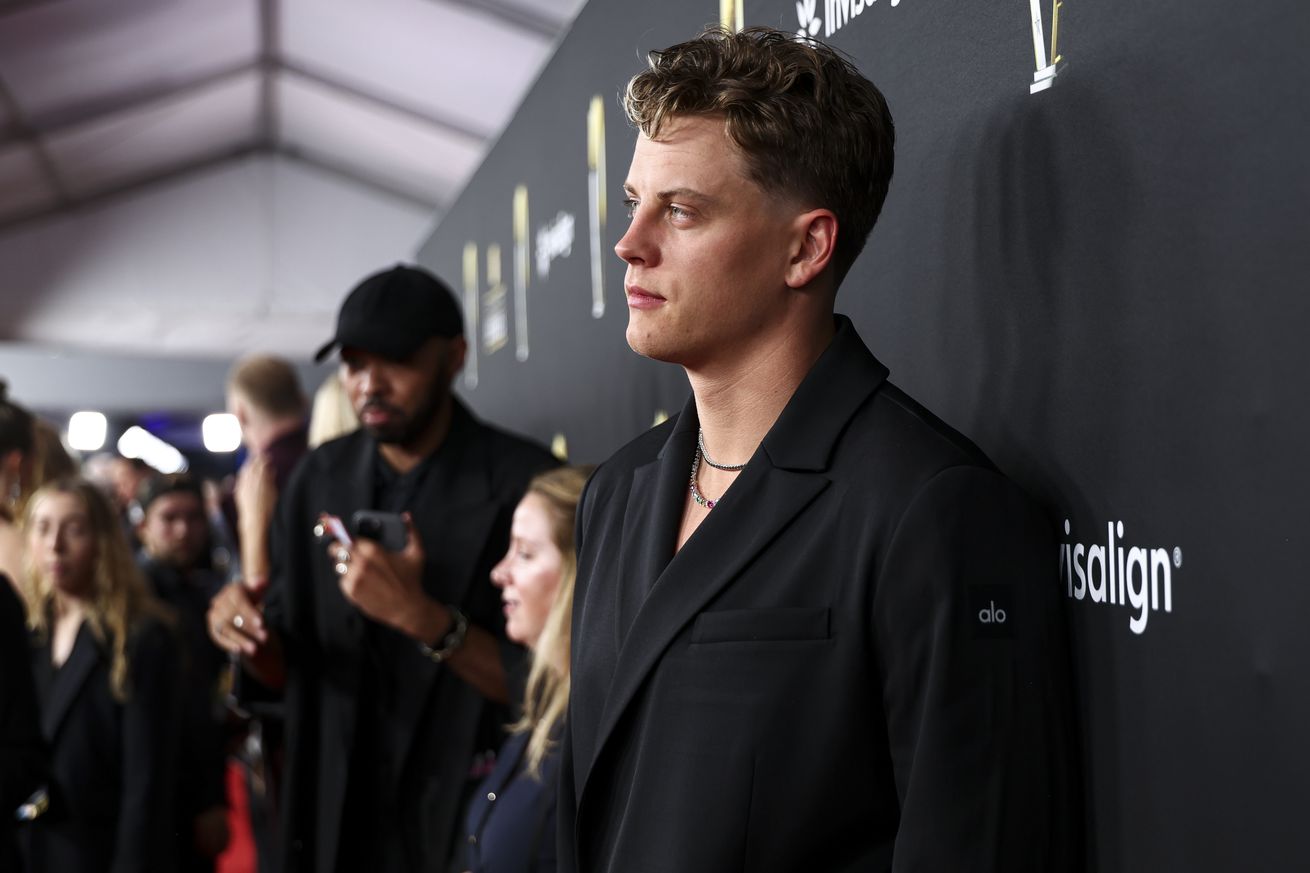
31	454
174	536
17	445
22	751
122	478
50	460
393	662
106	666
331	415
511	821
264	394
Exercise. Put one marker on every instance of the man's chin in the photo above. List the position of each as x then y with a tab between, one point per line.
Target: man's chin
648	346
389	435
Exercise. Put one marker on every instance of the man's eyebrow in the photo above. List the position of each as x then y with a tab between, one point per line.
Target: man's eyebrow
674	194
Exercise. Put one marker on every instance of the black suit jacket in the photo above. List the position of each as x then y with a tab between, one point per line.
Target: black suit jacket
463	522
113	765
854	664
22	751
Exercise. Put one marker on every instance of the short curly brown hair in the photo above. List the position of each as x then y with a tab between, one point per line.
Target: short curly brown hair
807	122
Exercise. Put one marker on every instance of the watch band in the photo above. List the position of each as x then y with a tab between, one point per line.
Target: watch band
452	641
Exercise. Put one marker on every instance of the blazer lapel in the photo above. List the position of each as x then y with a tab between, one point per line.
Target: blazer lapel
68	680
656	499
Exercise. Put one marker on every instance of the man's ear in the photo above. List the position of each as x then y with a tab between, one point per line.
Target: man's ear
815	240
456	352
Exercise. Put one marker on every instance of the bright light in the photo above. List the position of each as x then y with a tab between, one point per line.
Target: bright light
86	431
137	442
221	431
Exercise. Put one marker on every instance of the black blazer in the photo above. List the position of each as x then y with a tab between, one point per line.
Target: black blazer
463	522
819	679
22	751
113	765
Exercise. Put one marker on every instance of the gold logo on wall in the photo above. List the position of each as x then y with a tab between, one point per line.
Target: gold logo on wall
521	265
559	447
471	312
1048	64
596	200
732	14
495	317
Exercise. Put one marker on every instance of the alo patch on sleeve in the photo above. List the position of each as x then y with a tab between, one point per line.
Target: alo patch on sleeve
992	611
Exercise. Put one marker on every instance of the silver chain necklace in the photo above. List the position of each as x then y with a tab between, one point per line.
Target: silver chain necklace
695	492
700	444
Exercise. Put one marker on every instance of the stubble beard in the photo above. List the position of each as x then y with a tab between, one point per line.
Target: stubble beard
410	430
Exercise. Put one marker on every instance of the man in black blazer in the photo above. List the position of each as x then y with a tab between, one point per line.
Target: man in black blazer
814	628
393	663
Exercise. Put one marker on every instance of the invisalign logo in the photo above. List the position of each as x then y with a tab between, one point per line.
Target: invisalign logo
836	15
1141	578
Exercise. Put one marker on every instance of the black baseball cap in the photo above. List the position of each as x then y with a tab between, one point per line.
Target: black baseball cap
394	312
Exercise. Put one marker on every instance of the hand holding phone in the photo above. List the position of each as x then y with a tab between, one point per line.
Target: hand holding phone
330	527
388	529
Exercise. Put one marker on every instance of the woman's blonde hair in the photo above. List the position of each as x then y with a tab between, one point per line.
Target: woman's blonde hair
119	598
547	695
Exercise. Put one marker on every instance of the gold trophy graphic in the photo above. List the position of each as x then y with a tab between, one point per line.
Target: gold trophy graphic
1047	66
732	14
521	266
471	312
596	200
495	322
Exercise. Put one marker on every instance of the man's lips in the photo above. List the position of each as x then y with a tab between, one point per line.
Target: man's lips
377	414
640	298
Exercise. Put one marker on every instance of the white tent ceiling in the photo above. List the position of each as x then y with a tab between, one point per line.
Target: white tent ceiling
208	177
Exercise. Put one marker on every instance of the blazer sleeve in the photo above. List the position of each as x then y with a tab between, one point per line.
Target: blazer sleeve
150	748
975	678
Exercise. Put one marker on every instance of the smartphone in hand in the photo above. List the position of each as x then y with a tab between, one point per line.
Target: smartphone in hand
388	529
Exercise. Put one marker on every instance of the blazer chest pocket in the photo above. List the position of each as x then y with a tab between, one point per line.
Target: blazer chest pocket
761	625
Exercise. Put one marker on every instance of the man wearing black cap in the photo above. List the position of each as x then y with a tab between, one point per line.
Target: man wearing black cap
175	537
393	663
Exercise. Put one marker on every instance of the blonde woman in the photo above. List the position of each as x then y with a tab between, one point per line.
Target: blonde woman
511	821
106	670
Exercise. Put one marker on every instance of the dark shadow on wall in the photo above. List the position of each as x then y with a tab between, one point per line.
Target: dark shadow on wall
1035	232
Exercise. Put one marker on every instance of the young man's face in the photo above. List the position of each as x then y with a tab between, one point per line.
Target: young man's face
707	248
396	401
175	530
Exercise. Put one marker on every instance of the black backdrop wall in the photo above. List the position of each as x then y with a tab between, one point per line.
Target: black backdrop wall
1101	282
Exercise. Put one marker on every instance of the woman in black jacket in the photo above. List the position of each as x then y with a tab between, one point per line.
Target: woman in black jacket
107	676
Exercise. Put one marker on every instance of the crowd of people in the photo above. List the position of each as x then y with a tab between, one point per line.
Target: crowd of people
432	648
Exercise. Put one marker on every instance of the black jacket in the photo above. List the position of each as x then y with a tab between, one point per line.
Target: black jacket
113	765
462	514
821	679
22	751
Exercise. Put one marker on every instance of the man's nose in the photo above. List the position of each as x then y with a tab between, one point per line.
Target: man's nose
637	244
